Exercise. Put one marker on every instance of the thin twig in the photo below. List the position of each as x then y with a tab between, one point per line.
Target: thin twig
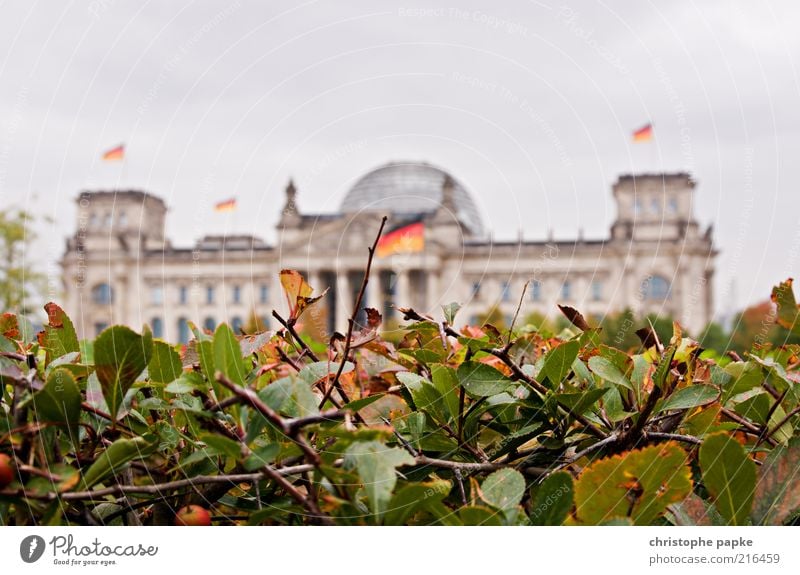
754	429
294	425
672	436
782	422
351	323
595	446
293	332
509	342
771	411
159	488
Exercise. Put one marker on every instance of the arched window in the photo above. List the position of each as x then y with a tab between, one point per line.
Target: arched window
236	325
157	325
656	288
209	324
102	294
183	330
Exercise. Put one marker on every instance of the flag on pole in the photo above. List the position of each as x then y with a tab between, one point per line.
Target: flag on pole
643	134
226	206
406	239
115	154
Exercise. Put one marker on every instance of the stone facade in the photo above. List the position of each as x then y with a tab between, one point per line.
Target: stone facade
119	266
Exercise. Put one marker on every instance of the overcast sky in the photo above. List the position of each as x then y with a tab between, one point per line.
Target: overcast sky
529	104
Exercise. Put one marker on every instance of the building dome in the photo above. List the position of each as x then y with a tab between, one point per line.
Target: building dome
408	189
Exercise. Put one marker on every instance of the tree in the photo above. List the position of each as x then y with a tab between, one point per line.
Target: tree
18	281
715	337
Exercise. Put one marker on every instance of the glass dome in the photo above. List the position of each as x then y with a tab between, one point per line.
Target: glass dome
410	188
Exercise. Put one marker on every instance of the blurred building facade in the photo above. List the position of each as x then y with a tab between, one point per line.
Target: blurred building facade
120	267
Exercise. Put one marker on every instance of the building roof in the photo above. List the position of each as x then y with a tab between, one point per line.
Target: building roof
406	188
139	195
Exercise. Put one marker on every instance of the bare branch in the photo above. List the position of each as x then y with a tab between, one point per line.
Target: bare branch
351	323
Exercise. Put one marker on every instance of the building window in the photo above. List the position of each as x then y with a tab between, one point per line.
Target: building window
183	330
476	290
237	294
183	294
99	327
637	206
566	290
123	220
656	288
505	291
157	295
157	326
93	221
209	324
236	325
673	206
209	294
655	206
536	291
597	290
102	294
107	220
263	293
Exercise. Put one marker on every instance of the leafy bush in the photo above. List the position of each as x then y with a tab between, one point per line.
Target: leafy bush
449	427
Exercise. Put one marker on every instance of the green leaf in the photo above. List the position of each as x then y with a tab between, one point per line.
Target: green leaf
313	372
116	456
663	367
553	500
228	355
558	363
120	356
689	397
729	475
777	494
608	371
187	383
221	445
450	310
579	403
376	465
359	404
479	516
165	364
637	484
446	382
261	456
291	396
481	380
59	334
741	377
503	489
424	395
415	498
59	401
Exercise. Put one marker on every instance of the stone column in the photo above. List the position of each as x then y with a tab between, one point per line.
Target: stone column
344	307
403	293
373	295
431	290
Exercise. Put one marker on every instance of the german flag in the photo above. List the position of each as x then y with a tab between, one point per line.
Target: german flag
226	206
643	134
406	239
115	154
